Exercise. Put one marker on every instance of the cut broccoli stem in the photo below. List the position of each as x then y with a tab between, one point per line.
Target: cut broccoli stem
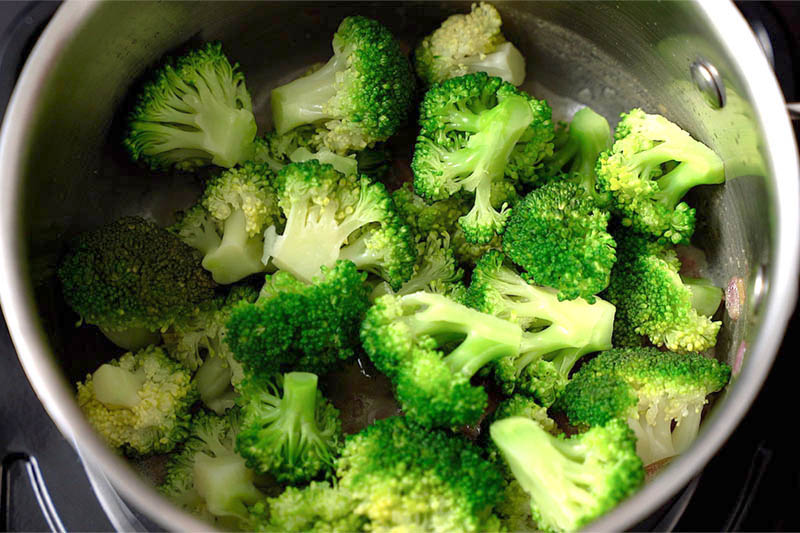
303	100
653	440
676	183
505	62
133	339
345	165
298	406
686	430
226	263
213	380
705	296
117	387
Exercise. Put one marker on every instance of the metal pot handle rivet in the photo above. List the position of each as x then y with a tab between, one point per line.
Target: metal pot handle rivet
708	81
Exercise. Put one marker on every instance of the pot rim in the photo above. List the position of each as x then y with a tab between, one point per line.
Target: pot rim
57	396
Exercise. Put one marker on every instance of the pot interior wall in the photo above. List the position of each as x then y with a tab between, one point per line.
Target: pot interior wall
611	57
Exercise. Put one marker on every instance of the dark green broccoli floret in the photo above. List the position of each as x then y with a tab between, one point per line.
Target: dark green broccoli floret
477	130
659	394
139	402
361	96
288	428
330	216
132	278
652	299
430	346
576	152
299	145
200	345
570	481
299	326
208	478
469	43
228	224
195	111
394	476
558	235
650	168
557	333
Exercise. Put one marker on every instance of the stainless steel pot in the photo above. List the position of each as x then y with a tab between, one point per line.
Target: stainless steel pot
62	170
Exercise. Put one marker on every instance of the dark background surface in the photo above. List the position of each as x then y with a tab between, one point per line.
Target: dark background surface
752	484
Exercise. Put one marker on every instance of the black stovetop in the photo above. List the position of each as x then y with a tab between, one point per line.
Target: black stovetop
752	484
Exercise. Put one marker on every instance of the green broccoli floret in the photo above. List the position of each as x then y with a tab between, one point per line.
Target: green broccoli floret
139	402
557	333
558	235
299	145
430	346
330	216
296	436
200	345
228	224
650	168
469	43
652	299
360	97
299	326
576	152
478	130
570	481
519	405
208	478
659	394
133	279
195	111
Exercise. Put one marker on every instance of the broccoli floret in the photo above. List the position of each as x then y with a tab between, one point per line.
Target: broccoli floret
659	394
570	481
526	407
330	216
651	166
296	436
557	333
430	346
208	478
200	345
478	130
228	224
653	300
558	235
576	152
299	145
299	326
133	279
139	402
195	111
469	43
360	97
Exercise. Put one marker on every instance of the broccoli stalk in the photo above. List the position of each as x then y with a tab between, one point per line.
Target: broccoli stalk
706	297
570	481
196	111
296	436
361	96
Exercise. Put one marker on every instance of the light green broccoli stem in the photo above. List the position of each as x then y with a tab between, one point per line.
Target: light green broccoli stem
132	339
213	380
347	165
705	296
655	438
506	62
238	255
117	387
303	101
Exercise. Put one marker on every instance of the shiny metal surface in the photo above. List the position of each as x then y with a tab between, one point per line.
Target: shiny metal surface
62	169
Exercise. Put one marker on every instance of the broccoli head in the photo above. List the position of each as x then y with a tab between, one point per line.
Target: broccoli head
132	278
208	478
659	394
570	481
430	347
652	299
576	152
288	428
469	43
360	97
330	216
477	130
556	333
139	402
650	168
300	326
558	236
195	111
316	507
228	224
